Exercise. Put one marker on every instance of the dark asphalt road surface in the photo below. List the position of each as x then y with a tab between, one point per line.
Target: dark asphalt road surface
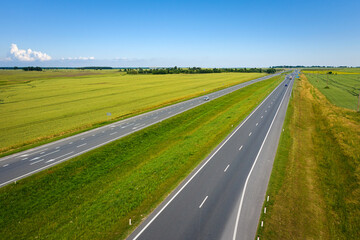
223	196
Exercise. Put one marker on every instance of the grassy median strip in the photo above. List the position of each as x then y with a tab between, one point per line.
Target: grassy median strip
40	106
94	195
314	188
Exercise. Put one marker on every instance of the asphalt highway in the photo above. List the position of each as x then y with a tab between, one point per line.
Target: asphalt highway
23	164
222	198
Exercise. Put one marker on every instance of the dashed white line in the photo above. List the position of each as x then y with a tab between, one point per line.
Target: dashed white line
141	125
24	159
203	202
250	134
113	133
240	147
57	147
70	142
51	160
81	145
5	165
262	116
257	124
226	168
37	162
82	138
35	158
265	110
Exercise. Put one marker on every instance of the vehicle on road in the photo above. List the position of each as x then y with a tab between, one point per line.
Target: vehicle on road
206	98
285	85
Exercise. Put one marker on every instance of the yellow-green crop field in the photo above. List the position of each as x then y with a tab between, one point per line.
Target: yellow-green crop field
38	106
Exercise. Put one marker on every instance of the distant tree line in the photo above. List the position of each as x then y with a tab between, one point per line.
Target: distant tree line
32	69
195	70
301	66
95	68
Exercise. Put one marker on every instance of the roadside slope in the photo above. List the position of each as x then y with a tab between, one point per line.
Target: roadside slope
315	184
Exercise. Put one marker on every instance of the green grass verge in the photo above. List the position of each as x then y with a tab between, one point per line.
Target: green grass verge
37	107
94	195
314	187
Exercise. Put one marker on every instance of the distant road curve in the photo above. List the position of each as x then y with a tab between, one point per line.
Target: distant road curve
26	163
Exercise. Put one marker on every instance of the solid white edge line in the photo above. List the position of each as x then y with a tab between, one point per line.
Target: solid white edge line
252	168
204	164
203	201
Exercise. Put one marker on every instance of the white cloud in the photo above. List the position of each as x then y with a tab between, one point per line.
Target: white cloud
79	58
27	55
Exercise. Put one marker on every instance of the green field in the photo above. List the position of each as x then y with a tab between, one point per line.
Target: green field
93	195
341	89
38	106
314	187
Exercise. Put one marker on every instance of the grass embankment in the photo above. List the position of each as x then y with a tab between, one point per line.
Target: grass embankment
94	195
314	188
341	89
38	106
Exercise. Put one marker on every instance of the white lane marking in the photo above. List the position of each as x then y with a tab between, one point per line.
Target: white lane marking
250	134
252	168
93	135
200	168
51	160
5	165
82	138
81	145
125	126
262	116
203	202
49	153
265	110
42	153
37	162
240	147
35	158
70	142
57	147
24	159
103	131
113	133
257	124
141	125
25	155
227	167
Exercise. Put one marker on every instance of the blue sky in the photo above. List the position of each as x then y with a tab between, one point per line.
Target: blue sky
183	33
